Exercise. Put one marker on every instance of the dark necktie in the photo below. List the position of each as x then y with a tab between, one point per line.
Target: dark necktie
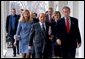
43	27
50	18
67	25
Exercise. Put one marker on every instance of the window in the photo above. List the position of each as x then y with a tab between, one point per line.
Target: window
56	4
34	6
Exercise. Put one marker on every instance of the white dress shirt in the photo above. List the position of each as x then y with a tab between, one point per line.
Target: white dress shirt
69	21
41	25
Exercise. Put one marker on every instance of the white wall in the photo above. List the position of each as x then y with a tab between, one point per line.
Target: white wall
81	26
4	12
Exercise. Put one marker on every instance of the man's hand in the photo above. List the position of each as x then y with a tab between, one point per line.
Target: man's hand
51	37
78	45
15	43
58	41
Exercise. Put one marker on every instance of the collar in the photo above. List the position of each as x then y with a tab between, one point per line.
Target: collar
42	23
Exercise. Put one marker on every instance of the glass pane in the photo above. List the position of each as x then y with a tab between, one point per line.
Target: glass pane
35	6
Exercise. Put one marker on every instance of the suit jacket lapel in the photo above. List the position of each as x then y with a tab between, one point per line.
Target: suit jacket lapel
72	24
64	24
42	33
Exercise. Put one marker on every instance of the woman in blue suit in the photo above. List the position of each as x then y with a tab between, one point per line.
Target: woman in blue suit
22	33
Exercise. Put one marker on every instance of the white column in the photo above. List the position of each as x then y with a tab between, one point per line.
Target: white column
56	8
4	12
9	8
81	27
75	9
75	14
70	4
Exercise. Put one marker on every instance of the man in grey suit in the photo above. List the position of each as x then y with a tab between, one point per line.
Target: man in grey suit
39	36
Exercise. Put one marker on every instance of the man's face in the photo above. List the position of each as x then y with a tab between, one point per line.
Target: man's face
42	17
66	12
50	11
13	11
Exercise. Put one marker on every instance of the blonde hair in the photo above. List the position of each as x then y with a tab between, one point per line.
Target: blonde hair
22	19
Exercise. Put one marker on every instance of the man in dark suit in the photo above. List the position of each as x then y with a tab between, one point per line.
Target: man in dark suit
68	35
11	27
39	37
49	20
49	15
35	19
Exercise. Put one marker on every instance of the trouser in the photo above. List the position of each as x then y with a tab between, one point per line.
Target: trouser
57	51
48	50
14	48
17	46
38	53
33	53
68	52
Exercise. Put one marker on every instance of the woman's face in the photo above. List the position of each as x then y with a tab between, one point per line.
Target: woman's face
56	16
26	15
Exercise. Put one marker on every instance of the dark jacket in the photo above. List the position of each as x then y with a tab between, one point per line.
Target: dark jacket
68	39
38	39
9	25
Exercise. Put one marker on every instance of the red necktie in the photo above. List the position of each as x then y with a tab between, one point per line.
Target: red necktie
67	25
